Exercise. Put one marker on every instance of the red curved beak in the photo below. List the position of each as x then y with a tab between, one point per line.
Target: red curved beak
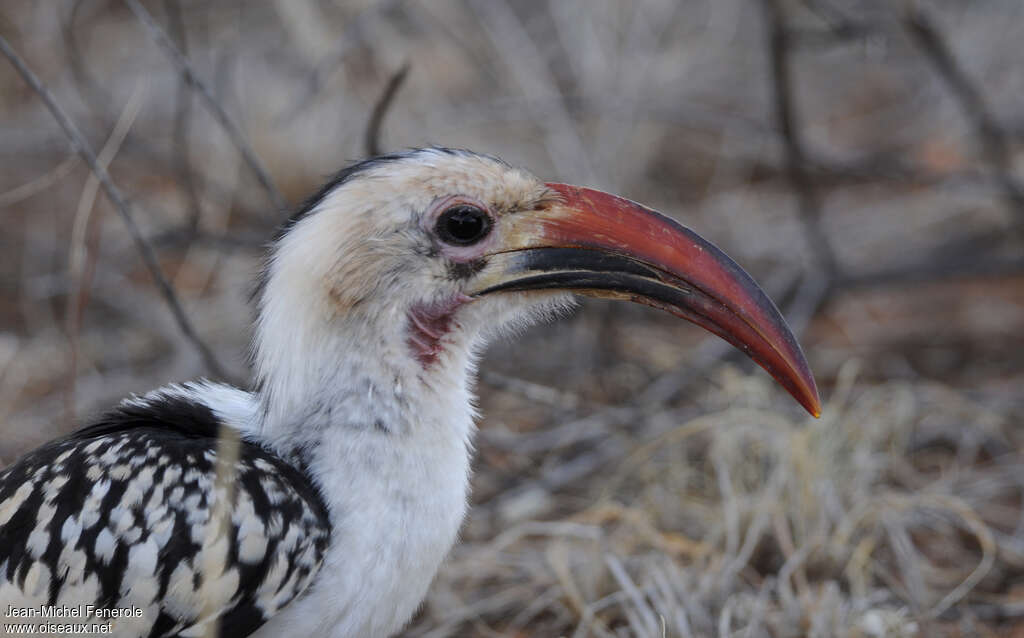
601	245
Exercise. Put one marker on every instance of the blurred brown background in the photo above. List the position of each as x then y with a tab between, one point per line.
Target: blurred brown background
861	159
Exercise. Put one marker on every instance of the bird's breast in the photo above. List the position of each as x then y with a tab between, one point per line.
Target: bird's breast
396	502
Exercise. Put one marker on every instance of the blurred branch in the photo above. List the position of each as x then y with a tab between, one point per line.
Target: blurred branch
531	390
178	237
331	62
189	75
82	256
835	35
779	51
183	119
535	79
81	146
990	133
89	88
935	270
380	109
39	184
839	28
884	166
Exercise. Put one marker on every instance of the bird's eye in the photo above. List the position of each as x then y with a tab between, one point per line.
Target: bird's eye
463	225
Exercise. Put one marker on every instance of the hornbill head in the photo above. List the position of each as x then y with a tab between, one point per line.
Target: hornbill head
436	247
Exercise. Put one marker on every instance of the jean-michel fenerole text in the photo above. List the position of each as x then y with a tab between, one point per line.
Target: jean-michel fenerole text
72	611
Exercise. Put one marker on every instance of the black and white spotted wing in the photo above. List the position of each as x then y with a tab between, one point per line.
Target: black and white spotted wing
130	513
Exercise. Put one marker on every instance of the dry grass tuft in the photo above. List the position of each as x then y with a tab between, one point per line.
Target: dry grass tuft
896	514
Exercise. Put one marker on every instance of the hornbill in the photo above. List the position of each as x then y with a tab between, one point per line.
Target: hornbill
347	481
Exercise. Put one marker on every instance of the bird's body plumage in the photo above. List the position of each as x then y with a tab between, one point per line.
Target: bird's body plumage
323	501
118	515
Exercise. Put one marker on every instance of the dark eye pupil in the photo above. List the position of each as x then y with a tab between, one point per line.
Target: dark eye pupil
463	225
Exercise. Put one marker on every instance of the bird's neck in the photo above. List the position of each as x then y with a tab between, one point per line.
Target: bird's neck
356	375
386	438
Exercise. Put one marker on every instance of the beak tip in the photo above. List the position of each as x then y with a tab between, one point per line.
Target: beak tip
812	402
797	378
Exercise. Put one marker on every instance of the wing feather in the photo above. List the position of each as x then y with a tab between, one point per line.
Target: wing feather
150	509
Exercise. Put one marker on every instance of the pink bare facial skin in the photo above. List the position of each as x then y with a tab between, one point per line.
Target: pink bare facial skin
430	322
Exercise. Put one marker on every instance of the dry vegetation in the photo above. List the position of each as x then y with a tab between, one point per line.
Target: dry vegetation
862	158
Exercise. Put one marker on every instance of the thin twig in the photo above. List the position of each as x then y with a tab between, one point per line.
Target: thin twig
81	146
991	134
39	184
779	50
839	29
158	35
535	79
235	240
214	559
183	120
935	270
332	62
380	109
531	390
88	86
82	255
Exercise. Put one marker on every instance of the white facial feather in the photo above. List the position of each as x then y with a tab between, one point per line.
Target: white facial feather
341	282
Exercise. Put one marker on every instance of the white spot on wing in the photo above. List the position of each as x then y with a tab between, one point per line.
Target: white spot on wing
105	545
12	504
